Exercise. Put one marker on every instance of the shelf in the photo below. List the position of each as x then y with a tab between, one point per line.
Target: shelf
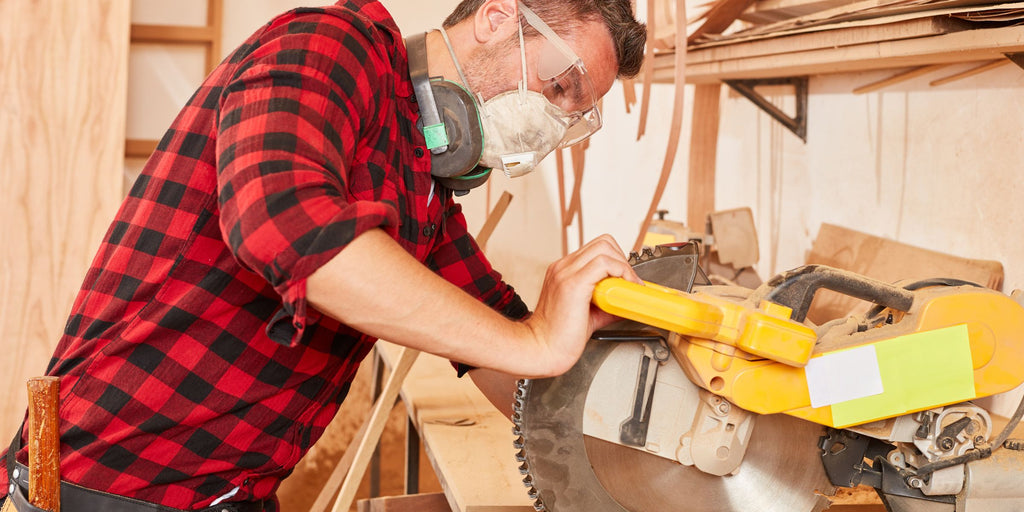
920	42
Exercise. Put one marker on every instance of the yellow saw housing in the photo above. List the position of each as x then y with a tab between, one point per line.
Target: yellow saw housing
955	343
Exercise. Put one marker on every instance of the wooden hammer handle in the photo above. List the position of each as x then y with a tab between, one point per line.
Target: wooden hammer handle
44	443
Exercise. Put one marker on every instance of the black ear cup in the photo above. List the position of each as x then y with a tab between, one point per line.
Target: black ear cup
461	122
447	104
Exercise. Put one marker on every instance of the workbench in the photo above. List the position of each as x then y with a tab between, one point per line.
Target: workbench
468	442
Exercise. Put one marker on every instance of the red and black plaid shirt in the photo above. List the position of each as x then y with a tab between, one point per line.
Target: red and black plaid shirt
192	364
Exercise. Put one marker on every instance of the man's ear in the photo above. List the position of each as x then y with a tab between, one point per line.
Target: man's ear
496	20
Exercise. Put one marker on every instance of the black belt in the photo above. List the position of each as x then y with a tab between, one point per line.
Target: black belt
75	498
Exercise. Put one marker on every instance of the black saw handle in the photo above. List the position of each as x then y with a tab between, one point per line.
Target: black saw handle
795	289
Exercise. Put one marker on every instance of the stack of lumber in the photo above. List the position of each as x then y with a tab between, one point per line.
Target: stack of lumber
782	38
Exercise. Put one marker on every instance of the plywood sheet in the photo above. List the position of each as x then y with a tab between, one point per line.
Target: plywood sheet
888	261
63	74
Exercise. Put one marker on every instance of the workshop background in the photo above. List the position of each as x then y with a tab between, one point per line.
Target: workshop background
935	167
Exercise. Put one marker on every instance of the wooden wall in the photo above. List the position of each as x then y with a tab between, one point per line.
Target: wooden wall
63	75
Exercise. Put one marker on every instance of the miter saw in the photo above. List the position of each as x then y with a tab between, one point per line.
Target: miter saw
722	398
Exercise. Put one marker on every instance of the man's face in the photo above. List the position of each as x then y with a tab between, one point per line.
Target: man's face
496	68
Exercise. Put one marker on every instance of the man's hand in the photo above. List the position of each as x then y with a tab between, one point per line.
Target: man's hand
565	318
374	286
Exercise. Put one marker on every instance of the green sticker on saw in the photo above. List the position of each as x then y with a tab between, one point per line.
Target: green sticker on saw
918	371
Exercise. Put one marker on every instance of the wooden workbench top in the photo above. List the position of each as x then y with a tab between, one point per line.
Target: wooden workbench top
468	442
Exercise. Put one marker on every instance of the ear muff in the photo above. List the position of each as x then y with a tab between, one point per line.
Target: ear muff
465	141
449	121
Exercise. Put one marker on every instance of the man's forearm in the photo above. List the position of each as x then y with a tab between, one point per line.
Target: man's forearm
375	286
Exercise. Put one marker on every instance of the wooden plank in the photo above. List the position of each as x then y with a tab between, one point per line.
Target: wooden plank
333	485
770	11
172	34
963	46
493	218
898	78
468	442
956	15
375	427
722	14
977	70
839	37
215	22
134	148
703	154
62	125
888	261
434	502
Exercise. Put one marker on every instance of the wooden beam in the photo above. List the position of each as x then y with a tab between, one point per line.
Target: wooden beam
970	72
703	153
962	46
378	419
493	217
466	439
721	15
840	37
173	34
898	78
215	22
770	11
135	148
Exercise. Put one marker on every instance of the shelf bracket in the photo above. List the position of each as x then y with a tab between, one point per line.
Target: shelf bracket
797	123
1016	58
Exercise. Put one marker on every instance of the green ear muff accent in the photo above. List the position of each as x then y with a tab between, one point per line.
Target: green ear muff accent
449	121
463	184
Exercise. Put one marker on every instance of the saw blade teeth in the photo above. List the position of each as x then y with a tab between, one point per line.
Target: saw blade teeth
539	506
519	443
516	431
521	456
524	469
533	494
528	481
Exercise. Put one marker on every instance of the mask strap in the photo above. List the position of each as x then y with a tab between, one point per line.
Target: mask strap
522	56
458	67
451	51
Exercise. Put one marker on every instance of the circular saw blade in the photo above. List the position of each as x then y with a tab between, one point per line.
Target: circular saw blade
568	471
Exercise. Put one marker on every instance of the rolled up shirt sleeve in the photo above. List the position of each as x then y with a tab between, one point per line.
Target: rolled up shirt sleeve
293	120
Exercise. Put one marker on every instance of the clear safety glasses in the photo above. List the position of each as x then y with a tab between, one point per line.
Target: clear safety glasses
566	84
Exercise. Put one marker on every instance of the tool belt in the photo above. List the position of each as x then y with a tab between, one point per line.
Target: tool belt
75	498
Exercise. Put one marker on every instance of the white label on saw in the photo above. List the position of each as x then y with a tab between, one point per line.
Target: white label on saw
844	375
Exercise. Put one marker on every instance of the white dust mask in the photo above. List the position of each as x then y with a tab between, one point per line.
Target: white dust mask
518	131
520	127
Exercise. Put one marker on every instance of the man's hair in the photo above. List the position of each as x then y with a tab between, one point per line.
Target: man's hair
628	35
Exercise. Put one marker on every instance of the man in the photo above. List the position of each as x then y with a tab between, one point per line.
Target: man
288	219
